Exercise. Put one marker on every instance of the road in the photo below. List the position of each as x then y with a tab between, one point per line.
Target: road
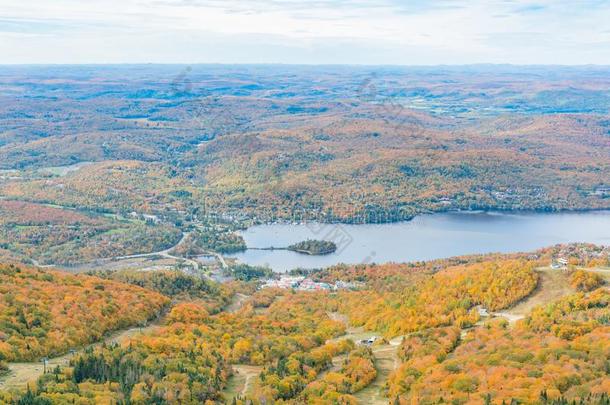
164	253
220	259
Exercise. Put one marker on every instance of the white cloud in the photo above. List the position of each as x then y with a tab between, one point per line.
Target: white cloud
318	31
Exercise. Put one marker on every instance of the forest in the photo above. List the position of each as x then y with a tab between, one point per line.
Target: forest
46	313
559	350
314	247
303	346
361	145
125	191
44	234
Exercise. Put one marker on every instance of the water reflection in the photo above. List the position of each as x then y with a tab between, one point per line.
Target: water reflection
426	237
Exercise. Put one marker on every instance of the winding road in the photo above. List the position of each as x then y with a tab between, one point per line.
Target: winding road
163	253
166	253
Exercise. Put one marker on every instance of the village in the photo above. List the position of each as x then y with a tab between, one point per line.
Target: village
301	283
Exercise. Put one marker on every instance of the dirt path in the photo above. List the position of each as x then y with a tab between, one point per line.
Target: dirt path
386	361
237	303
20	374
242	382
553	284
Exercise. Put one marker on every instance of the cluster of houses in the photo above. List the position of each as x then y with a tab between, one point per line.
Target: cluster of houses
283	282
578	253
306	284
150	219
310	285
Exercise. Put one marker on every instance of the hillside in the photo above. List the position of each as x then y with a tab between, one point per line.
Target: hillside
364	169
48	234
130	166
47	313
358	144
143	183
305	347
556	351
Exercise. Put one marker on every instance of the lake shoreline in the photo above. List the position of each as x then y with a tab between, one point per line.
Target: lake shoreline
432	212
425	237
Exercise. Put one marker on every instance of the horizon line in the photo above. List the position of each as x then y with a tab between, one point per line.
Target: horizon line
476	64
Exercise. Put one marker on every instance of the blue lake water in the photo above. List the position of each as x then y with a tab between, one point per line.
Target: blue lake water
426	237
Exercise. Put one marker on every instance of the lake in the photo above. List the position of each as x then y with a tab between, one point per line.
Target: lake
426	237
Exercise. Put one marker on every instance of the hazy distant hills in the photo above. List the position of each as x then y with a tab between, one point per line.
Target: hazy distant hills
353	140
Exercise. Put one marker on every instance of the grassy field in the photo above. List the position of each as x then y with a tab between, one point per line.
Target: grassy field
242	382
553	284
386	361
237	303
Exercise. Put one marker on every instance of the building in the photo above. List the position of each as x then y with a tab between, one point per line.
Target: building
310	285
347	285
306	284
369	341
283	282
559	263
483	311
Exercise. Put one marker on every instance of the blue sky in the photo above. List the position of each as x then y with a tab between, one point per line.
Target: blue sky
310	32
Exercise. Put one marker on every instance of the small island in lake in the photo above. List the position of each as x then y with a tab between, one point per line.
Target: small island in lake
314	247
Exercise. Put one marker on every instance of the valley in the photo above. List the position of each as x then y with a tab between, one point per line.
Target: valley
247	330
281	234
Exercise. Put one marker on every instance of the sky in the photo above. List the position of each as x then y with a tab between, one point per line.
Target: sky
369	32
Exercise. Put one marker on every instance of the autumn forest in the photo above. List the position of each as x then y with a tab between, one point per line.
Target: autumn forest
128	192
